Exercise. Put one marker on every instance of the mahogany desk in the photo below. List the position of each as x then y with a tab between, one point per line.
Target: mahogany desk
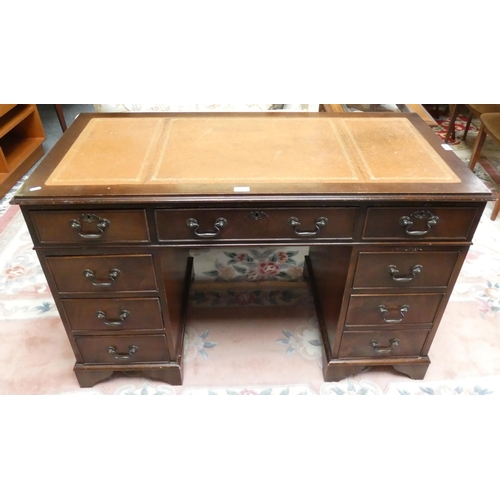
388	216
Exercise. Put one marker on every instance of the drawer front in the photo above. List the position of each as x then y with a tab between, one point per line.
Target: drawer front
393	309
414	223
215	224
106	273
382	343
113	315
404	269
123	349
93	227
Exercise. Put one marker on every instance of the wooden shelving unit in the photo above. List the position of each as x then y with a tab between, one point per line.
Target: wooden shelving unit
21	142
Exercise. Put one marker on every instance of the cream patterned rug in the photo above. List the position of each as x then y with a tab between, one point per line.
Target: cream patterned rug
480	386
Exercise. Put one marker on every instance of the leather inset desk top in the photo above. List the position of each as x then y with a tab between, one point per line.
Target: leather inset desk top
249	150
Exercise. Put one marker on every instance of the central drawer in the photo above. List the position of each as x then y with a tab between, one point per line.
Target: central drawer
398	309
266	224
103	273
113	314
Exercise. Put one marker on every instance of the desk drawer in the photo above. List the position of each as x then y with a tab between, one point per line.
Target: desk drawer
90	227
382	343
123	349
113	314
410	309
265	224
416	223
404	269
106	273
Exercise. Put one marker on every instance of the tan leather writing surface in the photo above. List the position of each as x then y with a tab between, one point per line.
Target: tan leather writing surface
110	151
392	150
248	150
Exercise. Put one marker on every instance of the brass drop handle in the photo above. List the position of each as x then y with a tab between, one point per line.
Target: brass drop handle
101	226
124	314
406	222
218	224
320	222
90	275
384	311
384	350
394	271
118	355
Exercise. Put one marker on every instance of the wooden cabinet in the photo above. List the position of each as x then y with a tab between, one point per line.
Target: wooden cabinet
387	234
21	139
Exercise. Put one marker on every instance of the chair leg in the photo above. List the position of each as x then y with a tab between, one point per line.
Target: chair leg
451	127
496	208
476	150
467	127
60	116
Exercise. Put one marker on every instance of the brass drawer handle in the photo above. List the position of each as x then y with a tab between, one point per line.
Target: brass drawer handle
320	222
384	350
124	314
218	224
394	271
406	222
384	311
101	226
113	275
118	355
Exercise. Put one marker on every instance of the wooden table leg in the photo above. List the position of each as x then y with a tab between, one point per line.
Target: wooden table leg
454	108
60	116
478	145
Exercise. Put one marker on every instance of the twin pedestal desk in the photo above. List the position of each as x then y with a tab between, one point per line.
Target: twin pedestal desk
114	208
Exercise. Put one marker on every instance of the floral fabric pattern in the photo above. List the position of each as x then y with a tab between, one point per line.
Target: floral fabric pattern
351	388
479	278
304	341
196	343
289	390
254	265
24	292
235	298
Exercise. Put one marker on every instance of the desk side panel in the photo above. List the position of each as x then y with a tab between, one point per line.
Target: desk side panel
330	265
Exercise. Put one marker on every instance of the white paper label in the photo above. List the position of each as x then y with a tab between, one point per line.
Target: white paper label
447	147
241	189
